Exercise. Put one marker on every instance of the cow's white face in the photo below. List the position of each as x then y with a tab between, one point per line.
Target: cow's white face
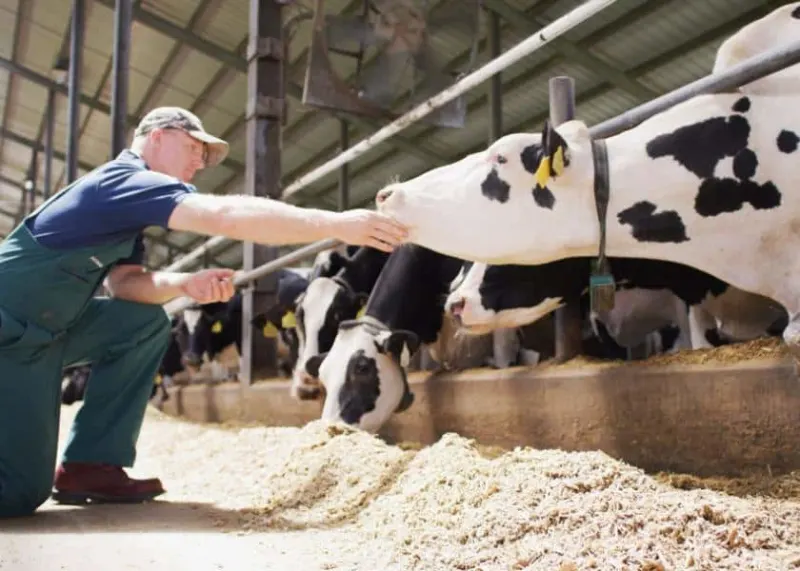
495	204
320	310
364	376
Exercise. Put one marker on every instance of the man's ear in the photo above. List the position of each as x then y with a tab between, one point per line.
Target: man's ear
554	155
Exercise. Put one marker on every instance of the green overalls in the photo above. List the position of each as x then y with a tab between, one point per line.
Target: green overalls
50	319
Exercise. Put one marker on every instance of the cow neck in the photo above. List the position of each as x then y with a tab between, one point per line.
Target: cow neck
363	270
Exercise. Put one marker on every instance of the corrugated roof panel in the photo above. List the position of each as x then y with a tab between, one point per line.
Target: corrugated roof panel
230	25
176	11
138	85
16	156
98	33
173	96
8	19
149	49
232	97
28	110
38	52
208	179
192	76
216	121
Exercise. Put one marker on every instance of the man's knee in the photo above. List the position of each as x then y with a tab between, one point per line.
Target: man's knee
21	498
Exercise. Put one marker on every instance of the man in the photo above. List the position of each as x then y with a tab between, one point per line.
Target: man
88	235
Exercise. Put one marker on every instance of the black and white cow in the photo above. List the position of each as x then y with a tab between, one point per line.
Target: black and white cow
363	373
651	294
327	302
709	184
214	327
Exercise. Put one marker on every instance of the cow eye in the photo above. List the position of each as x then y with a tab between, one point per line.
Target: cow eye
501	160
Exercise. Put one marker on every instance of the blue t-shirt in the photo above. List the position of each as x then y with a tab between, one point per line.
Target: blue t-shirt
116	201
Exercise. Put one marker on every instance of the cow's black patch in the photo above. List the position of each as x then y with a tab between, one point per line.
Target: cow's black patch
796	13
718	195
531	156
361	388
543	197
742	105
699	147
744	164
787	140
494	187
646	226
714	338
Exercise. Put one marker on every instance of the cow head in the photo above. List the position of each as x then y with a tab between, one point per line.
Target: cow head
364	374
493	206
509	296
326	303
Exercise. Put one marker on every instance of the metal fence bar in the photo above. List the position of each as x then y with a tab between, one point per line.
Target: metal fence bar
242	278
740	74
519	51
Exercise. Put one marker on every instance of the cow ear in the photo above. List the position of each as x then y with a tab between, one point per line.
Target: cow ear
259	321
406	401
554	155
400	344
313	364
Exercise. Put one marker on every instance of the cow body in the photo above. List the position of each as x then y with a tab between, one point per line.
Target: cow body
710	183
364	371
651	295
327	302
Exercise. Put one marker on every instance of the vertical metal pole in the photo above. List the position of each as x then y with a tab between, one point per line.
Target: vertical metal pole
74	88
31	205
344	170
568	330
48	143
119	88
262	172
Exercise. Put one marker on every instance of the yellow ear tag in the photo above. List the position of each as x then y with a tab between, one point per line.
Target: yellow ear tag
288	321
157	380
217	327
270	330
543	172
361	312
558	161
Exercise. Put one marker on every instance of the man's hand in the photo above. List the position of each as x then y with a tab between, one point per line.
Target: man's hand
362	227
209	286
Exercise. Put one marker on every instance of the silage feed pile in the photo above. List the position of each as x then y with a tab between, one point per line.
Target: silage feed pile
448	506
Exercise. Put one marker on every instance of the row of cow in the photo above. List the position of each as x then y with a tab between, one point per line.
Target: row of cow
689	270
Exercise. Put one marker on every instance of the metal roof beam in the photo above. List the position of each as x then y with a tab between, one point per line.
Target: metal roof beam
23	13
90	102
528	25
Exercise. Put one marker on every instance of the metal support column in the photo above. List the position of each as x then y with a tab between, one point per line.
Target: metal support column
262	172
48	142
74	88
568	330
344	171
119	81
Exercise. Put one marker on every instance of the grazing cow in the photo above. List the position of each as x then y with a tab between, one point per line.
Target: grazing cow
708	183
364	371
651	294
324	305
778	28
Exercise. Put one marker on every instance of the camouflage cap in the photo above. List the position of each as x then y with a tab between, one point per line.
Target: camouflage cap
178	118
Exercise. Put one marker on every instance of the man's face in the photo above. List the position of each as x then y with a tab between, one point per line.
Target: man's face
179	154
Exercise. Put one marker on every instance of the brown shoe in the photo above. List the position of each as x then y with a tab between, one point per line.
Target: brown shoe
82	483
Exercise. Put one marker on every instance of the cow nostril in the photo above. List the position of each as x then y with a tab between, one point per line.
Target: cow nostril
383	195
457	307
